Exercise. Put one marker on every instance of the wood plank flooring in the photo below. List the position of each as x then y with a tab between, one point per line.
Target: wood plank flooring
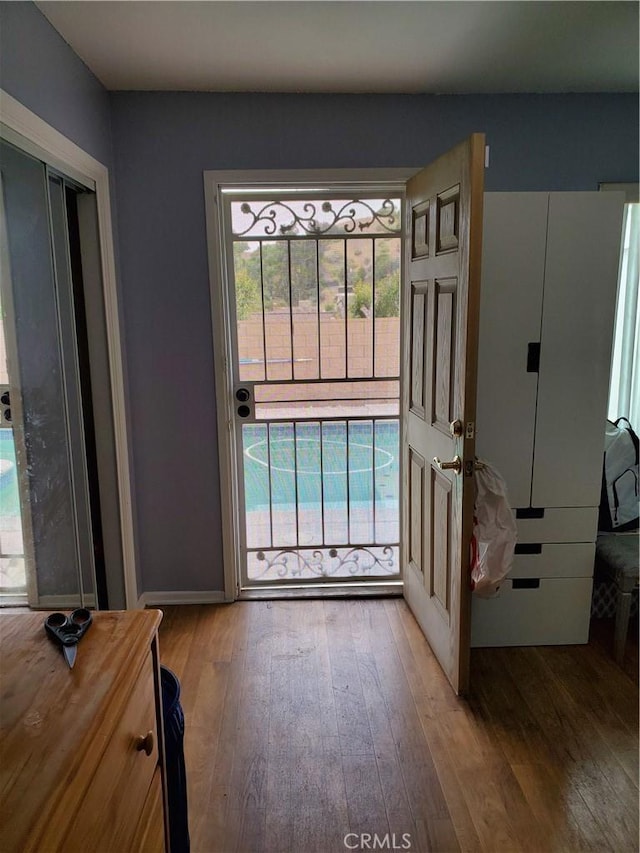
309	720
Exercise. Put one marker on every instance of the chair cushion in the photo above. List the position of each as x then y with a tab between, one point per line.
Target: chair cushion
618	555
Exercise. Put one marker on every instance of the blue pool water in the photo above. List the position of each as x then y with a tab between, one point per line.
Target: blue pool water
9	498
326	464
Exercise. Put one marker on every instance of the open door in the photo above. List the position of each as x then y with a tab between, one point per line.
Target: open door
441	307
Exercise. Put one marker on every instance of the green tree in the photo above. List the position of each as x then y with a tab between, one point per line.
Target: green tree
386	263
248	296
275	274
247	258
388	297
360	305
246	264
304	283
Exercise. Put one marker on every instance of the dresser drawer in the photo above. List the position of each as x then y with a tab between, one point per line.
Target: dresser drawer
116	796
564	524
149	834
553	611
572	560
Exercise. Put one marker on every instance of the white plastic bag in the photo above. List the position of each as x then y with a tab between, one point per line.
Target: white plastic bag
494	533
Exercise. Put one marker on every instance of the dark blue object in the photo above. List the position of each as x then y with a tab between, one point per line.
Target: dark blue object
176	775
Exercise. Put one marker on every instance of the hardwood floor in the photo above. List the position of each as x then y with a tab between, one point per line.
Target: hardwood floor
309	720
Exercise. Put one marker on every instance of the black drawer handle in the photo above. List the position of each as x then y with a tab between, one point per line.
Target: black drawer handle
527	548
533	357
525	583
530	512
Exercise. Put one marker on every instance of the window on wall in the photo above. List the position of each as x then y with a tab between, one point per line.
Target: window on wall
624	395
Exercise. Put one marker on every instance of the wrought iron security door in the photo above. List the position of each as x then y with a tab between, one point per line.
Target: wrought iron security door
313	293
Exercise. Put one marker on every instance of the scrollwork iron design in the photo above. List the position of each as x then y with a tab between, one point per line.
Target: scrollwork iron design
356	566
349	217
358	562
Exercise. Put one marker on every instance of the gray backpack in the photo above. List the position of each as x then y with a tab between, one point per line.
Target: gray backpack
619	508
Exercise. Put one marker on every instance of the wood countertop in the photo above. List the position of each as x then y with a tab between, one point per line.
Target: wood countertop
56	722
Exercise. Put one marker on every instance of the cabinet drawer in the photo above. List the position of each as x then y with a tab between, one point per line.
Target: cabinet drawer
149	834
555	612
565	524
574	560
111	809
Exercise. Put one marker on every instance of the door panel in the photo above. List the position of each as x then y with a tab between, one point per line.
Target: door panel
583	246
75	417
443	336
448	221
442	250
441	488
514	248
37	382
418	310
416	502
46	407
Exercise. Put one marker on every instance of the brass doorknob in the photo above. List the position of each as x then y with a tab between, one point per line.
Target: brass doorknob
454	465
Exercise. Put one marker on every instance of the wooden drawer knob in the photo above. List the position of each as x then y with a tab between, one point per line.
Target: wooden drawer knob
144	743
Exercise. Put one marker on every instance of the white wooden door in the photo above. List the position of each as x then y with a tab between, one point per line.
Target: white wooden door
440	333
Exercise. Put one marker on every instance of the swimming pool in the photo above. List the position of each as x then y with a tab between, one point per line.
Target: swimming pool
321	464
9	496
321	499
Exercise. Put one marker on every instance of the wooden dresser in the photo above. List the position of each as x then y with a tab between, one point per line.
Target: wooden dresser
81	750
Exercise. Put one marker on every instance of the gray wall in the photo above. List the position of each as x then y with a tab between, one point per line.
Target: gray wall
39	69
164	142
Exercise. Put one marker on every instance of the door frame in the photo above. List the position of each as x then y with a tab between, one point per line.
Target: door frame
214	182
31	134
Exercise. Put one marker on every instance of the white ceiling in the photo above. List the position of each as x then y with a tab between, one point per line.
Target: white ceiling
321	46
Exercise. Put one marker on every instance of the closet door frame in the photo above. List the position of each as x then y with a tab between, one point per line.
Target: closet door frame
31	134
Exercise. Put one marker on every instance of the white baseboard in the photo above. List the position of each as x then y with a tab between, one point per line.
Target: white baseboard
149	599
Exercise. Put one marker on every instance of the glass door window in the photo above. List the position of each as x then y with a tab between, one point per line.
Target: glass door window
313	289
13	581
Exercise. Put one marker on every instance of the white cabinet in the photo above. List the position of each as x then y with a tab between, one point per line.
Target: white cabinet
550	264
